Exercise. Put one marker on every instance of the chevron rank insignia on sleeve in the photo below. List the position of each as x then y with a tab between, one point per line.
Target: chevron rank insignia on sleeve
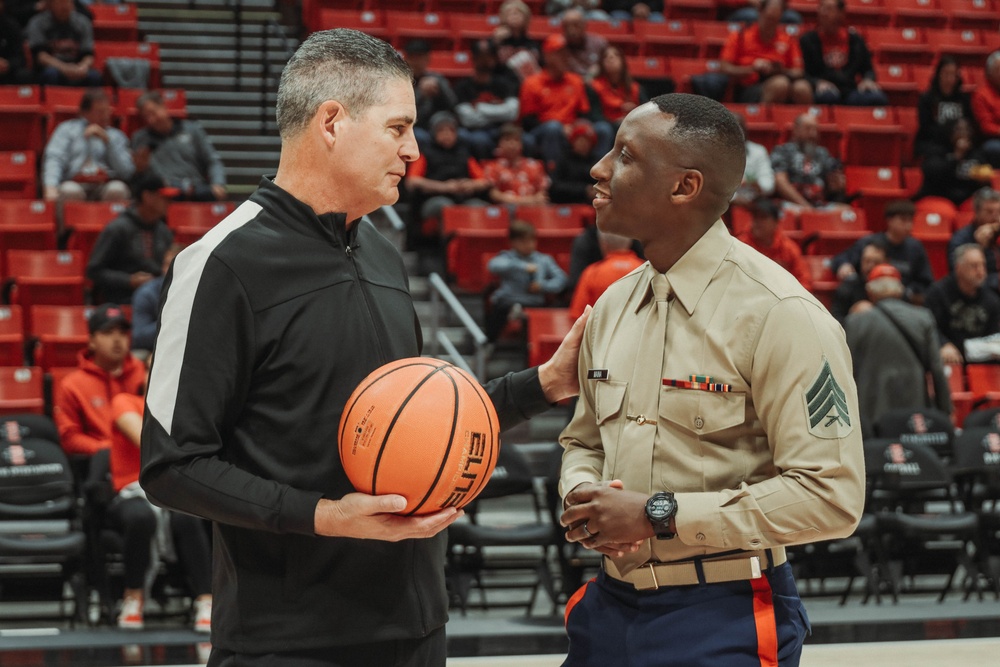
826	406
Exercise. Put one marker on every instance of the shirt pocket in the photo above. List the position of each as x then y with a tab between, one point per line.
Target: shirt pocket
609	402
703	412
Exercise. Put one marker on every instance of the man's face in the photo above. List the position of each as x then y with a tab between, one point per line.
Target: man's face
806	130
988	213
99	114
970	271
524	246
636	178
445	135
110	346
574	28
763	226
61	9
770	12
557	62
829	16
871	257
510	147
155	204
375	147
899	227
156	117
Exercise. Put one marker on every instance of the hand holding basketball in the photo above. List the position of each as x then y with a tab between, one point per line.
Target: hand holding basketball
376	518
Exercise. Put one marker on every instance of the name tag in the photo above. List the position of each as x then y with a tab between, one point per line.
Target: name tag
598	374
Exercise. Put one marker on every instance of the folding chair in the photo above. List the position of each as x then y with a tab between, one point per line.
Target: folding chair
52	277
977	470
21	117
924	426
21	390
18	175
26	224
11	336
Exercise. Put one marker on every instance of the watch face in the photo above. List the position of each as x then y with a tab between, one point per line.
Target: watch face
660	507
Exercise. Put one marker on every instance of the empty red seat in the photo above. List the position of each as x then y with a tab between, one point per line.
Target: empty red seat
26	224
546	329
59	334
454	218
451	64
21	390
673	39
18	175
867	13
712	35
51	277
914	13
21	118
118	22
872	135
468	251
371	22
900	45
555	216
830	231
191	220
150	51
877	186
976	14
404	26
648	68
11	336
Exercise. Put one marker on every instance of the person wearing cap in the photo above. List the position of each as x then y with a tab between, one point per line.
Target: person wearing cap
765	237
895	350
82	400
963	304
571	180
717	422
445	174
432	90
129	251
486	100
178	150
87	158
553	99
850	295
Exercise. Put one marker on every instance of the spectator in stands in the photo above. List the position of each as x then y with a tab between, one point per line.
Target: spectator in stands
583	49
851	296
986	109
983	229
553	99
87	158
894	346
12	66
146	304
588	9
765	237
515	179
962	304
129	251
179	151
765	61
486	100
619	259
82	402
528	278
758	176
140	522
571	179
903	251
432	90
614	86
804	170
751	13
635	10
837	61
445	174
959	173
62	44
940	106
515	49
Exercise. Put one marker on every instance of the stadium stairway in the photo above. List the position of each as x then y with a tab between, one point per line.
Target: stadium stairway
227	55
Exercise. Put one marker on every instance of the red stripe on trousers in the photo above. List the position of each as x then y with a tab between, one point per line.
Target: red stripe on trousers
767	630
576	597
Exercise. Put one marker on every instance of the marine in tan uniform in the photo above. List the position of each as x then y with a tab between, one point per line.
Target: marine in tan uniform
717	420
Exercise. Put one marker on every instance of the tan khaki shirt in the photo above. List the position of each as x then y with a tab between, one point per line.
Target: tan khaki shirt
774	461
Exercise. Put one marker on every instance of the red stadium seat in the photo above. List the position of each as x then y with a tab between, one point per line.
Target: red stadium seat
191	220
555	216
712	35
431	26
914	13
21	118
59	334
933	224
970	47
546	329
760	127
137	50
877	186
26	224
691	9
18	175
468	251
828	232
116	22
451	64
788	222
900	45
174	99
976	14
619	33
468	27
50	277
21	390
682	69
872	136
367	21
867	13
648	68
557	241
984	382
454	218
899	83
11	336
84	221
824	283
672	39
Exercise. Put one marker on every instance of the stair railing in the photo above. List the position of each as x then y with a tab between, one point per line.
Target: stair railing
441	297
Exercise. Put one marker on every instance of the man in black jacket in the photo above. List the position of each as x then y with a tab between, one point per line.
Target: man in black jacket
268	324
837	61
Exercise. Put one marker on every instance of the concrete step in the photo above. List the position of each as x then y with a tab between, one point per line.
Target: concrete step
254	144
178	55
245	68
276	44
231	97
234	111
249	128
249	157
206	23
248	83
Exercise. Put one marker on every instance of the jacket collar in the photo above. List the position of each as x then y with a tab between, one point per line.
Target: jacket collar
329	226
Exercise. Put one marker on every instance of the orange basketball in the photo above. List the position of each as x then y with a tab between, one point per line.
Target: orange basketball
422	428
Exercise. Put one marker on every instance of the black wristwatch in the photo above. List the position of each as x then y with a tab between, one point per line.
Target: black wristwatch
660	509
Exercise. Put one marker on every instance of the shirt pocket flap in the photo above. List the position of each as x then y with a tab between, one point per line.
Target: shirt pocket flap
703	411
609	399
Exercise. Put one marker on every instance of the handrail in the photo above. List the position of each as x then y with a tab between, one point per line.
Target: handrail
440	291
453	353
393	217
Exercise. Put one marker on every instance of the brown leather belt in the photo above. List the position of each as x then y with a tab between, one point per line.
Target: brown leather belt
741	567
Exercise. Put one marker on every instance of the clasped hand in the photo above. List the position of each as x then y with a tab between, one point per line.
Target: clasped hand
606	518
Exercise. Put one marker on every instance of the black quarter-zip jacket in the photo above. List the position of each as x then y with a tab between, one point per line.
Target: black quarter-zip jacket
267	325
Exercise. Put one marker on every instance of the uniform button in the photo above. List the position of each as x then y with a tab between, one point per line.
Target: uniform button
700	537
698	422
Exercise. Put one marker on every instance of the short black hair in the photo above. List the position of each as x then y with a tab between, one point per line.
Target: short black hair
90	96
900	207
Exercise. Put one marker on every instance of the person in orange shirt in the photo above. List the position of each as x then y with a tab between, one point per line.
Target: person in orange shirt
614	86
765	237
766	61
82	403
553	99
619	259
986	109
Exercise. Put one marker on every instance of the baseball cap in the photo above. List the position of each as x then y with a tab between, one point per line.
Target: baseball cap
884	271
554	42
582	128
107	316
152	182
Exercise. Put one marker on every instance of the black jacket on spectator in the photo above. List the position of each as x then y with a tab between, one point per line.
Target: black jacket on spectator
960	317
857	67
124	247
849	292
936	115
909	257
571	178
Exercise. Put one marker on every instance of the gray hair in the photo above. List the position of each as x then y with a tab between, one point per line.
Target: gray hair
992	59
961	251
344	65
885	288
984	195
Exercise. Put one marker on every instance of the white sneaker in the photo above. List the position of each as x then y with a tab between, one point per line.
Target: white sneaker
130	617
203	615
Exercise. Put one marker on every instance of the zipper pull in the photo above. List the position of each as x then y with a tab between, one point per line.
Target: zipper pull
348	250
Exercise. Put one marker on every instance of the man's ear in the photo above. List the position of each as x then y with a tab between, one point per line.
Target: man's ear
328	120
688	187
